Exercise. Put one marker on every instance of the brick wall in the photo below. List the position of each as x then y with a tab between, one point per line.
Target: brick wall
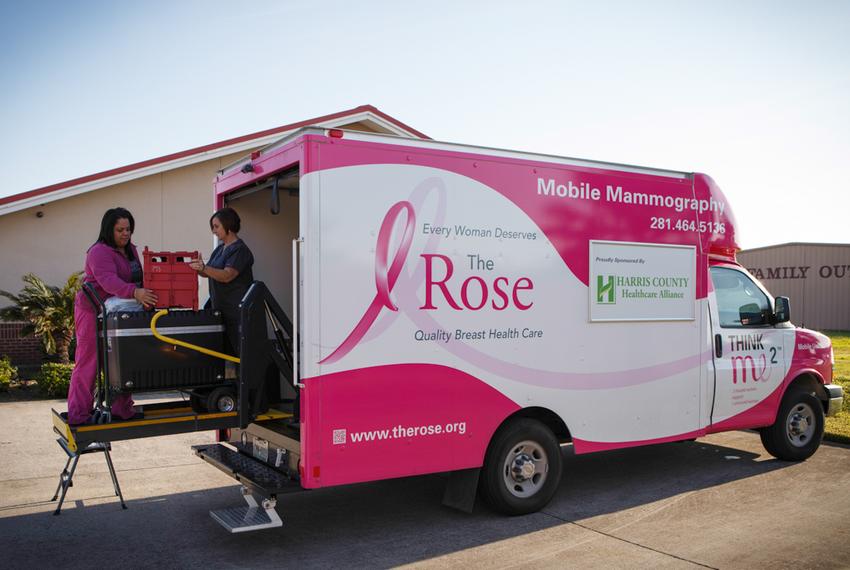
26	351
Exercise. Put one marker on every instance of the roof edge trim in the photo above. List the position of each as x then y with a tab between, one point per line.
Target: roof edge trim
88	183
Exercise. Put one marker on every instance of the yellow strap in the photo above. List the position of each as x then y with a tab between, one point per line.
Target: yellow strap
200	349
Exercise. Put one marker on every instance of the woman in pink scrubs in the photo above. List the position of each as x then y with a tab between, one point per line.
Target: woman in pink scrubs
114	269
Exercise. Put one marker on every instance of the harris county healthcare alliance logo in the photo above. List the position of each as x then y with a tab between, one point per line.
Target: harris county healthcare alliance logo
641	282
606	290
639	288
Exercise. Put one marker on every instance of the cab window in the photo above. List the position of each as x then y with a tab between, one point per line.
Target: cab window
739	301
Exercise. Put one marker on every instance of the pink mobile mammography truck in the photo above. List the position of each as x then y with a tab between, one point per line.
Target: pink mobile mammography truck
468	310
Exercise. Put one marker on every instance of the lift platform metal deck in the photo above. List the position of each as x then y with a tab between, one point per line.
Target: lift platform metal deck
167	418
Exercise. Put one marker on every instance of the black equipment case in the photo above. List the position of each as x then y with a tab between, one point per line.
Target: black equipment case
139	362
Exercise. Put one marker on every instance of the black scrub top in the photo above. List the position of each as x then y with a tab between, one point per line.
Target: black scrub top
225	297
136	275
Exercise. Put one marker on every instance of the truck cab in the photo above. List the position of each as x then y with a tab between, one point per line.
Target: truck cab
768	373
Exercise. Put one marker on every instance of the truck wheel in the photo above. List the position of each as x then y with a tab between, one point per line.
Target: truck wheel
798	429
522	468
222	399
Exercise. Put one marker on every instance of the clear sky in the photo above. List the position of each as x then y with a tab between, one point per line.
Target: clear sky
754	93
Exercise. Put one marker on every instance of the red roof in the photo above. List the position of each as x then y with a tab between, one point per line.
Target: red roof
200	149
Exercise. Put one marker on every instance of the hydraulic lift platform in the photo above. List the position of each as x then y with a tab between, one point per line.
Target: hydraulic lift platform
167	418
251	392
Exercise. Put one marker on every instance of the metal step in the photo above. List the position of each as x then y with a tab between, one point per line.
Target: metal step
250	517
252	473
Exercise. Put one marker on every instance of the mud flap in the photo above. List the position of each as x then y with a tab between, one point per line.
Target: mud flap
461	489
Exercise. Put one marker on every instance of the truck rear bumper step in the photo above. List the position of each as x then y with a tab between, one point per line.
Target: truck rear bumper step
250	472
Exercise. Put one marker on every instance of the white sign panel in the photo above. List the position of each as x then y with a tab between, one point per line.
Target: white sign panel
641	282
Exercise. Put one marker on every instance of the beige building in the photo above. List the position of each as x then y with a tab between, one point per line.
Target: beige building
48	230
815	276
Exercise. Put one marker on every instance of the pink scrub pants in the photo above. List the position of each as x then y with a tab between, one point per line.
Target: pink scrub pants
81	391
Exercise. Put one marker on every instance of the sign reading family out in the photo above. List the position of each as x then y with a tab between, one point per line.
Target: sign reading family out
641	282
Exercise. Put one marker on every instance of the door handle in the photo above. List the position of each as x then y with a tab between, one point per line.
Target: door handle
718	346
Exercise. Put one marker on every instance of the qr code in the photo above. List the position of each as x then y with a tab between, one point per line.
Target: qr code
339	436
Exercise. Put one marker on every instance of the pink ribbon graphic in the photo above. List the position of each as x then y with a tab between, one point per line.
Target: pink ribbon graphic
385	277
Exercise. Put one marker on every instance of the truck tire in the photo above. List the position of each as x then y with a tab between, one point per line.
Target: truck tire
522	468
222	399
798	430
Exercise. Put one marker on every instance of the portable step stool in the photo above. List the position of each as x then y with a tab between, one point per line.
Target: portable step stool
66	478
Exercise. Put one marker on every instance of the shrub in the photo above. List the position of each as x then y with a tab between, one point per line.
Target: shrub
54	379
8	373
48	310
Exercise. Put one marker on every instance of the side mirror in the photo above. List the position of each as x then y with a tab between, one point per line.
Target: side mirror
782	310
751	314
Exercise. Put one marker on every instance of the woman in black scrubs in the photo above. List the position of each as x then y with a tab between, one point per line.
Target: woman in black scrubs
228	270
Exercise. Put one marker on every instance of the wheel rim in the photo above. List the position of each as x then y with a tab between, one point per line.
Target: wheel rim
525	469
226	404
800	425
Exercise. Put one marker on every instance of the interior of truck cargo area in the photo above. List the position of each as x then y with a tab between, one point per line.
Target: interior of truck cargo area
269	223
164	418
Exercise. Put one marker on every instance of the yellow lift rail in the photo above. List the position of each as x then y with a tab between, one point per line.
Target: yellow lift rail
195	347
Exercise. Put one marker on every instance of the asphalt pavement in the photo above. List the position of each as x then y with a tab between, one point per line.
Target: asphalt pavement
718	502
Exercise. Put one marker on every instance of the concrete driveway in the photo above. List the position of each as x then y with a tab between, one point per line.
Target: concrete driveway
719	502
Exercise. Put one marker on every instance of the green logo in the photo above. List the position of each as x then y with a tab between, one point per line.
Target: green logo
606	293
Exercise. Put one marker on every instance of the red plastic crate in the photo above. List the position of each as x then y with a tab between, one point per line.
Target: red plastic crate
168	274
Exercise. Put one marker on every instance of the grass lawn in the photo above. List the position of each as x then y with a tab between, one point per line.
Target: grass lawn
838	427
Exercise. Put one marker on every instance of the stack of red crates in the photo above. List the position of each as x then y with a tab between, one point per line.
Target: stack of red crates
168	274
